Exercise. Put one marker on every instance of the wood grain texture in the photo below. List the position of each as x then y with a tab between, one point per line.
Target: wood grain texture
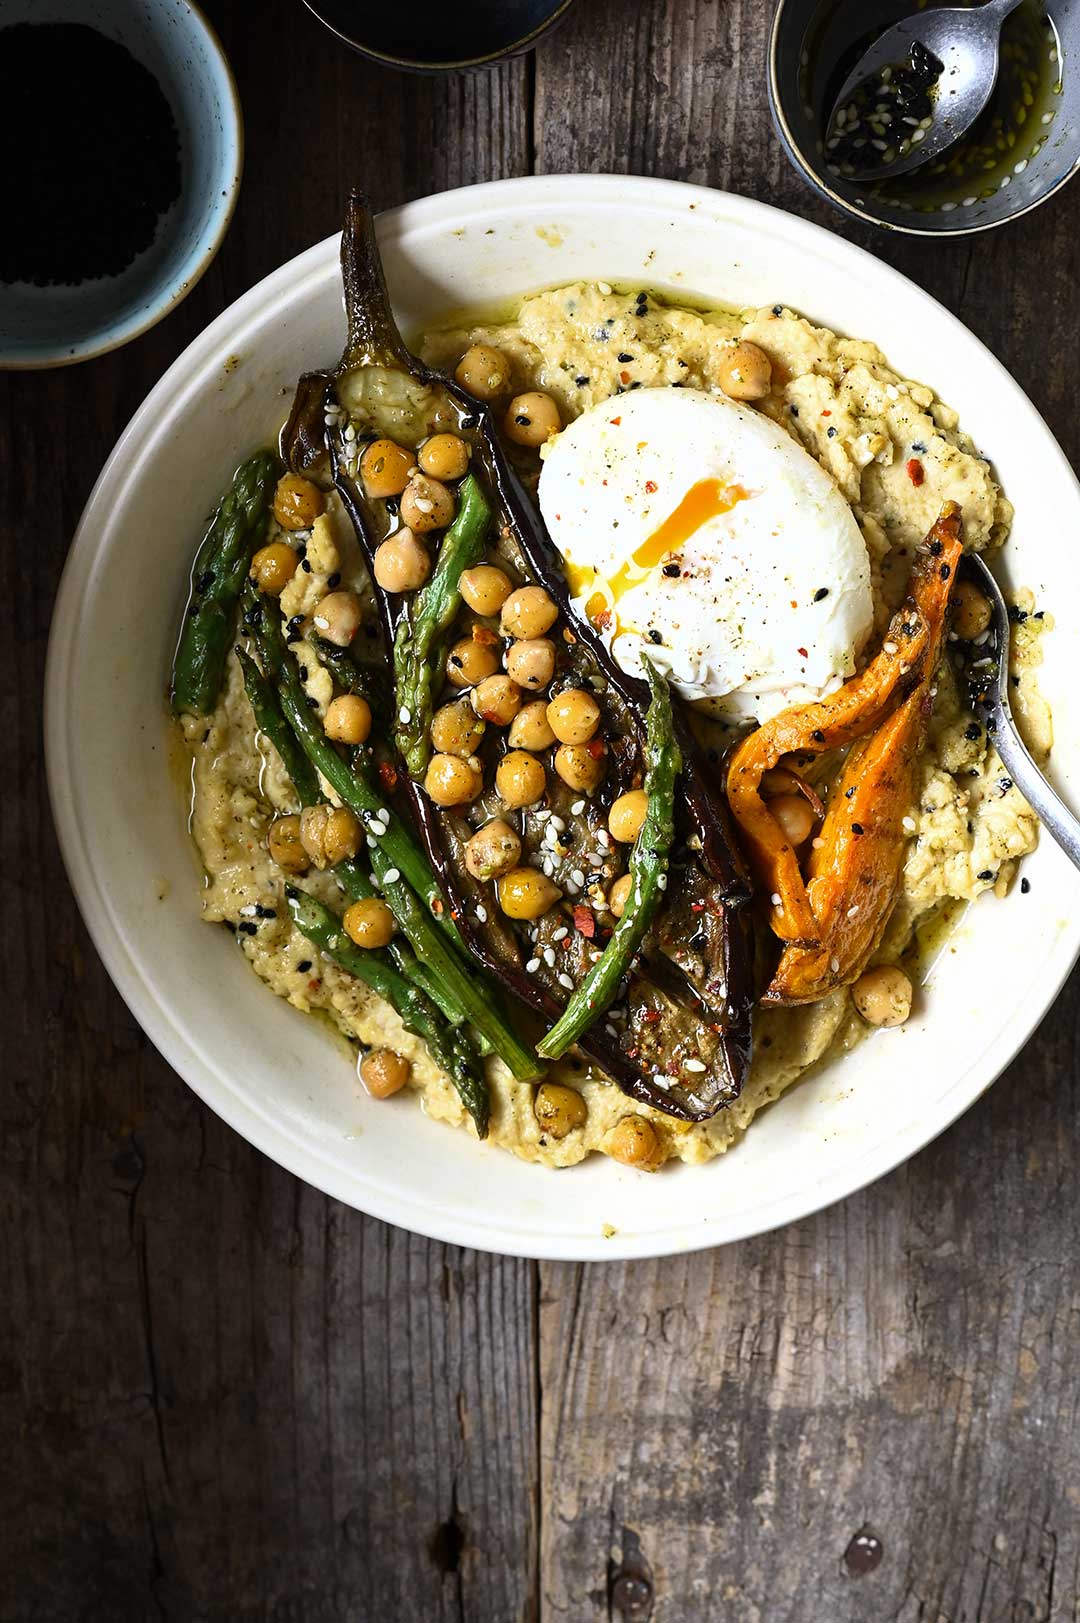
224	1397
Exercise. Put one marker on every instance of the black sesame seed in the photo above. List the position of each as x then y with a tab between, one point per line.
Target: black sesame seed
654	636
301	549
334	579
312	704
247	928
778	309
303	966
624	355
936	549
822	591
581	382
849	792
1016	614
305	566
973	732
303	673
917	445
1015	680
831	432
294	624
521	419
818	736
672	569
470	422
856	828
455	660
987	873
204	580
636	384
794	410
945	571
193	609
1025	886
1039	614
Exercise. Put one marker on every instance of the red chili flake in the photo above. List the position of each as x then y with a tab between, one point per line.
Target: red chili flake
826	413
584	922
602	619
803	652
624	376
651	1016
651	486
387	776
437	906
595	747
314	984
794	604
697	907
615	421
915	471
485	636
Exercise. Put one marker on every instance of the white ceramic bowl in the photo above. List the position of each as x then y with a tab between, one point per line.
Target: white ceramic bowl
276	1076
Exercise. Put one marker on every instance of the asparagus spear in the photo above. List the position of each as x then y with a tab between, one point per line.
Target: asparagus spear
421	631
217	577
272	724
419	1015
648	878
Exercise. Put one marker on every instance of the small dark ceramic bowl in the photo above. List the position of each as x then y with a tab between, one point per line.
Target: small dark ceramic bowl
799	94
432	36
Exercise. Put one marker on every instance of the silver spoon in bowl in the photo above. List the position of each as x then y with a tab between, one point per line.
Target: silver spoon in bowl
966	44
990	699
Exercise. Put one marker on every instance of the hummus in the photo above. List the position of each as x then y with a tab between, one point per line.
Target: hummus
896	453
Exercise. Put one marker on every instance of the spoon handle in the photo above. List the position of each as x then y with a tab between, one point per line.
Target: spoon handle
1056	818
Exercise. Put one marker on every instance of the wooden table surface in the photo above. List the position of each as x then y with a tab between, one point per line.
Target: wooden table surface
224	1397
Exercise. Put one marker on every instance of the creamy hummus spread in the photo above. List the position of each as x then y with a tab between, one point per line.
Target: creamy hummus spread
896	453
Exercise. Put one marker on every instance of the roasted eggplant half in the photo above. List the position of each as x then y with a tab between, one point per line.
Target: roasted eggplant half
655	993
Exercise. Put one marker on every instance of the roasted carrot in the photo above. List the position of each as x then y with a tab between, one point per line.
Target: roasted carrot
810	729
854	872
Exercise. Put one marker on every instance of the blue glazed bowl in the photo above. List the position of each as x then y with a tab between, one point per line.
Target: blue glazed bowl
54	326
430	36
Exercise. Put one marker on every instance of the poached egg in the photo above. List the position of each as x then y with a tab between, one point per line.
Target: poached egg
695	530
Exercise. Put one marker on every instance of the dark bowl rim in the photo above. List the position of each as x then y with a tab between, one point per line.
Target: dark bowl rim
795	156
410	65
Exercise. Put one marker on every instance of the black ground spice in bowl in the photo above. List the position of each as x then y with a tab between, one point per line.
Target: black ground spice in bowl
90	168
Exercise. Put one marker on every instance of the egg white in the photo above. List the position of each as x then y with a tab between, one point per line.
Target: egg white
770	603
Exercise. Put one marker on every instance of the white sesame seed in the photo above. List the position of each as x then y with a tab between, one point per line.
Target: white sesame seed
481	914
851	912
775	898
249	911
391	876
661	882
578	807
695	1065
909	825
564	980
817	842
371	841
549	957
350	433
888	647
834	964
603	837
577	876
558	824
603	287
405	714
561	933
532	966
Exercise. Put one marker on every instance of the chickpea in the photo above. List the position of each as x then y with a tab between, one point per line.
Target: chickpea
526	893
573	716
384	1073
627	815
493	850
456	729
468	662
619	895
329	834
283	842
520	779
528	612
484	371
531	418
558	1109
384	468
745	371
497	699
531	663
273	567
795	815
580	766
444	456
297	502
369	922
426	505
338	617
485	588
402	563
636	1143
452	780
530	728
348	719
971	612
883	996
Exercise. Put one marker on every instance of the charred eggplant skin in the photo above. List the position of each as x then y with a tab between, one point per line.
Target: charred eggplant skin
704	830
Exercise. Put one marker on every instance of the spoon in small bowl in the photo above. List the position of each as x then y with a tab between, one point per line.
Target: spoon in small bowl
988	676
946	59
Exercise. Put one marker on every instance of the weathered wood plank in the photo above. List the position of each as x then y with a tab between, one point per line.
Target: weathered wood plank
222	1396
900	1363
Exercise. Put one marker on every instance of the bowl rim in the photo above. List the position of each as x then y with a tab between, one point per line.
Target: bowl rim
189	277
408	64
242	1109
794	153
